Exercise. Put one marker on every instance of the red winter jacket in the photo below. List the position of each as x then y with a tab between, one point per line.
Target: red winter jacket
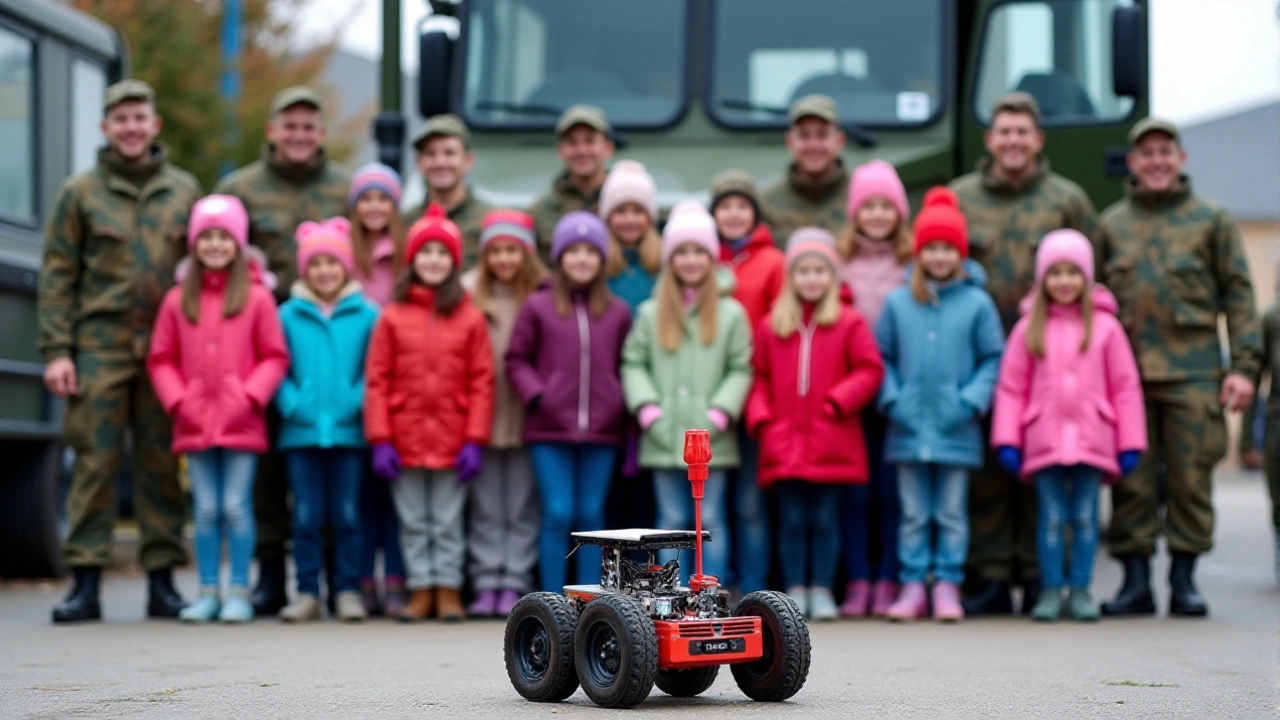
429	381
807	401
759	269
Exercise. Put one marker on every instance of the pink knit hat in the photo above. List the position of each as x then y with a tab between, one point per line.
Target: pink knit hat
628	182
689	223
1065	246
877	178
327	237
225	212
812	241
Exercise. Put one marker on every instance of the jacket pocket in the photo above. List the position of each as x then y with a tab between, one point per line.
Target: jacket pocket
187	420
1194	305
1105	411
1119	274
110	256
953	414
240	410
906	409
1213	438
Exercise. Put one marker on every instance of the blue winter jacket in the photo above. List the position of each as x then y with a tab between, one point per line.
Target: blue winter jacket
941	360
634	284
321	398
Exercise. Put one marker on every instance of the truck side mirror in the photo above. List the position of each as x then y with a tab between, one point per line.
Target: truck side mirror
435	64
1128	51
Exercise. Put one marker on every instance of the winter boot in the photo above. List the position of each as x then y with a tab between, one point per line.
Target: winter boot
912	604
1030	596
883	593
238	608
81	602
1081	606
163	600
822	605
204	609
369	596
395	599
857	599
800	596
421	605
507	602
304	608
351	607
450	605
1134	597
992	598
269	596
1184	598
1049	607
946	602
485	605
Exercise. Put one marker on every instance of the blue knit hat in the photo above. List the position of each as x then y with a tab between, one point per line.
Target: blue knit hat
579	226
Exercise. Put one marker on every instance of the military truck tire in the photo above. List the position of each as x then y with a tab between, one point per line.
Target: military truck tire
29	509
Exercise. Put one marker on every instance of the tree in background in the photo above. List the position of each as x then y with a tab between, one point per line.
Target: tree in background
174	45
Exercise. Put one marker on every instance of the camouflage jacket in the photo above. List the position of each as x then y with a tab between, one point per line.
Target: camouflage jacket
1007	222
467	214
795	202
281	197
113	239
1175	261
561	199
1269	364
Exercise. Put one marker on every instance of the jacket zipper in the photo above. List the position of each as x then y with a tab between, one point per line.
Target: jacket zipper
584	368
806	356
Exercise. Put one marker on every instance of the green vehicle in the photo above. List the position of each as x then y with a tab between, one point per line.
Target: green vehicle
55	64
696	86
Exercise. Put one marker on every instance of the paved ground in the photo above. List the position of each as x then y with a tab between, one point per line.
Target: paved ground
1225	667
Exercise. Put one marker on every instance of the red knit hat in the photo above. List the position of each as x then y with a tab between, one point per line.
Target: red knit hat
434	226
940	220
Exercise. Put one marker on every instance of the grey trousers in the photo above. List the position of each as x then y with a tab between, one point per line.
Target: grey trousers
504	521
430	505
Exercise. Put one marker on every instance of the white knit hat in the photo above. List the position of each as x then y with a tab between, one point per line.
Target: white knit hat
689	223
629	182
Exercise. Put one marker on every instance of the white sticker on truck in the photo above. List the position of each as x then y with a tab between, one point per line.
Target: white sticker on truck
913	106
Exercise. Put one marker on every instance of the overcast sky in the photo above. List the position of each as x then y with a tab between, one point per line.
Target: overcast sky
1209	57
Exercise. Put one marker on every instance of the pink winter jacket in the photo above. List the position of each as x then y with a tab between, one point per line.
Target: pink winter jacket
1071	408
379	284
216	377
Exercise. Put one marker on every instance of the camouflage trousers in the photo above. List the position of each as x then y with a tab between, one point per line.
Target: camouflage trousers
1271	453
1002	524
271	510
116	398
1187	435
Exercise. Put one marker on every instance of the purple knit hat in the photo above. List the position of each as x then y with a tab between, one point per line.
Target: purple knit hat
375	176
579	226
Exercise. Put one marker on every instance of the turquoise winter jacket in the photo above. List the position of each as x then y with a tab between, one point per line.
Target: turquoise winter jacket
941	361
634	284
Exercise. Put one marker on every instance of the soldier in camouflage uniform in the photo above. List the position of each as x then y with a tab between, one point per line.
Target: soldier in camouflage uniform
1269	457
294	181
445	159
815	189
1011	201
1175	262
113	239
585	146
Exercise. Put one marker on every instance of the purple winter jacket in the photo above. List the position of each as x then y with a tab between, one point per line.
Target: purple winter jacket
571	364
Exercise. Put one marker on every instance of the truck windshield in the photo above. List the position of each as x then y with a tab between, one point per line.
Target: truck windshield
881	61
527	60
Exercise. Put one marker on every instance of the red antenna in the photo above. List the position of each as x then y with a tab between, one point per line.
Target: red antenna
697	453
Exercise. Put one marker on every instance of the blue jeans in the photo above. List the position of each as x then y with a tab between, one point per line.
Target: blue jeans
874	504
1067	496
933	494
222	490
675	512
381	529
326	486
573	484
751	519
810	514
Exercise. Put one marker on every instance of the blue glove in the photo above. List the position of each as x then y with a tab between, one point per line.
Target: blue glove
1129	461
1010	459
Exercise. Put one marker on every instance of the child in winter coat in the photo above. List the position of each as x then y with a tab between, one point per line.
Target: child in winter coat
1068	413
429	410
687	364
217	356
504	500
563	364
817	368
629	207
377	245
327	324
941	341
874	250
746	246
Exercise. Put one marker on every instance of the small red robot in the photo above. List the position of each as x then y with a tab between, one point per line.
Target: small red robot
639	627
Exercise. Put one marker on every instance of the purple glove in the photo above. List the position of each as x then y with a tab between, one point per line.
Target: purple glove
718	418
386	462
469	462
631	456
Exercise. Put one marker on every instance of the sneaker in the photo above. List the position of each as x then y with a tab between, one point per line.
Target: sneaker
397	597
203	610
857	599
1049	607
507	601
304	608
883	593
238	608
946	602
485	604
800	596
822	605
351	607
1081	606
369	595
912	604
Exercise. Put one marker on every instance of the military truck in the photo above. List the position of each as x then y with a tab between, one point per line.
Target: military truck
696	86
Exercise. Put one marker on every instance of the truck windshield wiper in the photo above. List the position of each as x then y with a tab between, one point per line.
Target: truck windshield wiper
524	109
862	136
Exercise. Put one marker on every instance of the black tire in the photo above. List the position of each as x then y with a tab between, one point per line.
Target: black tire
29	508
785	666
687	683
538	647
615	650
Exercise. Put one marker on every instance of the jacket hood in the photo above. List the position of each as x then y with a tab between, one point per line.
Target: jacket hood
300	290
258	272
1103	300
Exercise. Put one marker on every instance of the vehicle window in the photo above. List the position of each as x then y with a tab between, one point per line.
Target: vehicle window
880	61
528	60
88	84
17	126
1057	50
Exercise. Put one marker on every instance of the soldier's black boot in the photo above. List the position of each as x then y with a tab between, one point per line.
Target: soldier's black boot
1134	597
1184	598
992	598
163	600
82	602
1030	596
269	596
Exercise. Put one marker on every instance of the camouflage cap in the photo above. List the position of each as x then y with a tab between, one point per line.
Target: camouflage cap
1150	125
127	90
819	106
589	115
296	95
447	125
